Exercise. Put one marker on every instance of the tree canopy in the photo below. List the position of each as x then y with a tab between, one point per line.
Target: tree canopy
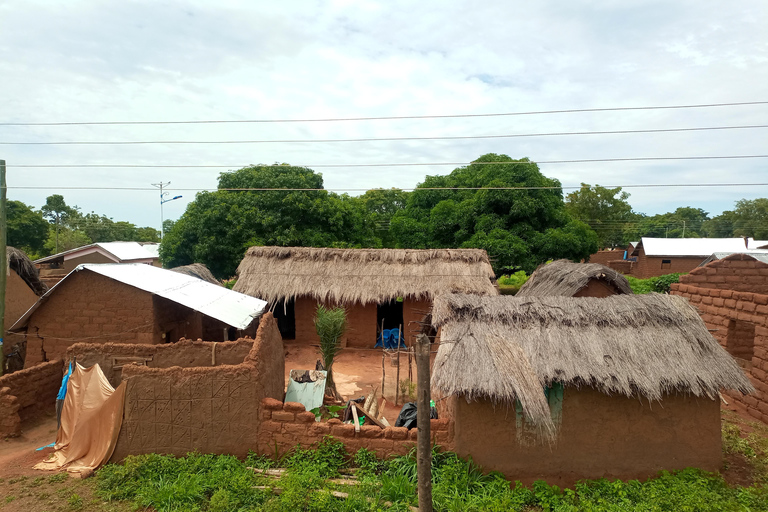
519	228
27	229
606	210
217	227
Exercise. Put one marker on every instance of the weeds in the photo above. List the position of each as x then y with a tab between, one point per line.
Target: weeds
75	502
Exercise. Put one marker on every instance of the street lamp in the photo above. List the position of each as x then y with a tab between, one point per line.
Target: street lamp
162	202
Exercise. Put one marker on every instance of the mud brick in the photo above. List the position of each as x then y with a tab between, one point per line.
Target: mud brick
272	404
266	415
293	407
398	433
295	429
271	426
320	429
283	416
305	417
371	432
343	430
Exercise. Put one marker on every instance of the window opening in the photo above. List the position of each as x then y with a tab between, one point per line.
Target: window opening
740	341
666	263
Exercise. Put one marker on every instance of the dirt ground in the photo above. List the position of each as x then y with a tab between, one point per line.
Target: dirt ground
357	372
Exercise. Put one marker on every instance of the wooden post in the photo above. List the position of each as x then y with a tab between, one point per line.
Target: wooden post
383	371
397	379
424	449
3	259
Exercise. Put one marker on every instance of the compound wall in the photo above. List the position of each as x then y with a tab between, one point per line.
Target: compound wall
28	394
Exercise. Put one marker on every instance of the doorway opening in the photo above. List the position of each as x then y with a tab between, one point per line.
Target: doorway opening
285	314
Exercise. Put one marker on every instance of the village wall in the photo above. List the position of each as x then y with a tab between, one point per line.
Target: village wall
111	357
605	256
208	409
88	306
286	425
173	321
739	322
653	266
738	272
600	436
596	288
28	394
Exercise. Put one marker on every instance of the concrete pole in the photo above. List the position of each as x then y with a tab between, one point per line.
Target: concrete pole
3	259
423	446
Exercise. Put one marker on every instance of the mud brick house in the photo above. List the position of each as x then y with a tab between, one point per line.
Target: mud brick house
22	289
653	257
53	268
564	278
133	303
631	384
393	287
731	295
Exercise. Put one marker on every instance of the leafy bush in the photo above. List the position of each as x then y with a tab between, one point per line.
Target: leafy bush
660	284
510	284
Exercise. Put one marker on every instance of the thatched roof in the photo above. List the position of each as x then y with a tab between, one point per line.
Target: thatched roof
362	275
20	263
197	270
564	278
506	348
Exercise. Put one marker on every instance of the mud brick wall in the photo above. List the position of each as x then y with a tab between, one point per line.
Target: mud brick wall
88	305
184	353
27	394
724	312
19	297
606	256
286	425
623	266
211	410
651	266
739	272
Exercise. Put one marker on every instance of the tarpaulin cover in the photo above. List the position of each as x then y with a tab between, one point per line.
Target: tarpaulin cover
90	422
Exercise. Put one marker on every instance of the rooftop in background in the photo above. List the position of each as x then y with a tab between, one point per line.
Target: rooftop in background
363	275
119	252
758	254
232	308
564	278
696	246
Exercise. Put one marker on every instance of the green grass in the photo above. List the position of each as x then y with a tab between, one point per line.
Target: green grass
511	283
218	483
658	284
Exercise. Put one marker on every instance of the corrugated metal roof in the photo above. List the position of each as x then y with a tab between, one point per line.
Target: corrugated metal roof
758	254
123	251
758	244
692	246
232	308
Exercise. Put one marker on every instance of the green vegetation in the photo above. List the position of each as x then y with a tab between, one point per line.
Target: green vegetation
511	283
208	482
658	284
330	324
749	440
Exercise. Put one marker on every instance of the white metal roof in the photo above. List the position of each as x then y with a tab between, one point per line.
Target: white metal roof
692	246
121	251
232	308
758	254
758	244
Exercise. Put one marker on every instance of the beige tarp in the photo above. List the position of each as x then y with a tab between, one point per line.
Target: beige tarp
90	422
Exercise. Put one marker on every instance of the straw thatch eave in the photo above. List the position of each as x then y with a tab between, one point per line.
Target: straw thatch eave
565	278
347	276
633	345
197	270
20	263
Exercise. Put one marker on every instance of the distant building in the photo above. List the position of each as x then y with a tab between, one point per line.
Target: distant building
564	278
53	268
133	303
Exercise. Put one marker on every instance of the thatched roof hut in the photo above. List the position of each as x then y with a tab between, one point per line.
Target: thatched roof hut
506	348
197	270
564	278
20	263
346	276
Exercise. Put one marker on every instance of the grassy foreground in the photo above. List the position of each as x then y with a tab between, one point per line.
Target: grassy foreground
326	479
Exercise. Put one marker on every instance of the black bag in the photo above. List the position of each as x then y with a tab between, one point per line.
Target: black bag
407	416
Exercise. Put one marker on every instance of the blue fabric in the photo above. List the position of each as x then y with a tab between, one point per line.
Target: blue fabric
63	389
388	339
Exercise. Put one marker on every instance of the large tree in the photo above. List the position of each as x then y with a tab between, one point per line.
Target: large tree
27	229
605	210
519	228
219	226
748	218
58	213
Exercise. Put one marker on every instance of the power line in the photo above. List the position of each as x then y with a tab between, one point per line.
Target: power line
384	139
568	187
398	164
387	118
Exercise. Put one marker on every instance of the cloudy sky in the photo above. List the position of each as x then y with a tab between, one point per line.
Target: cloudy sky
92	61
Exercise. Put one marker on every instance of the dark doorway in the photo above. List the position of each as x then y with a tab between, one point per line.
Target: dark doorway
391	313
285	315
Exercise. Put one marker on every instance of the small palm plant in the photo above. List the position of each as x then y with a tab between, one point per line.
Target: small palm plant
330	324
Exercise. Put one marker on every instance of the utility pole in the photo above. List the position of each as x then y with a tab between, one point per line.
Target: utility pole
683	229
162	202
423	445
3	259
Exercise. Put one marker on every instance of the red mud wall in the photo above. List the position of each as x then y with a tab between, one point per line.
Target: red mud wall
361	323
648	266
596	288
600	436
211	410
285	425
18	299
722	311
184	353
738	272
27	394
88	305
603	257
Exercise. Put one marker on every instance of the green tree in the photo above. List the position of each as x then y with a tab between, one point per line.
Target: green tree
381	205
217	227
27	229
605	210
751	218
684	222
65	240
58	212
518	228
